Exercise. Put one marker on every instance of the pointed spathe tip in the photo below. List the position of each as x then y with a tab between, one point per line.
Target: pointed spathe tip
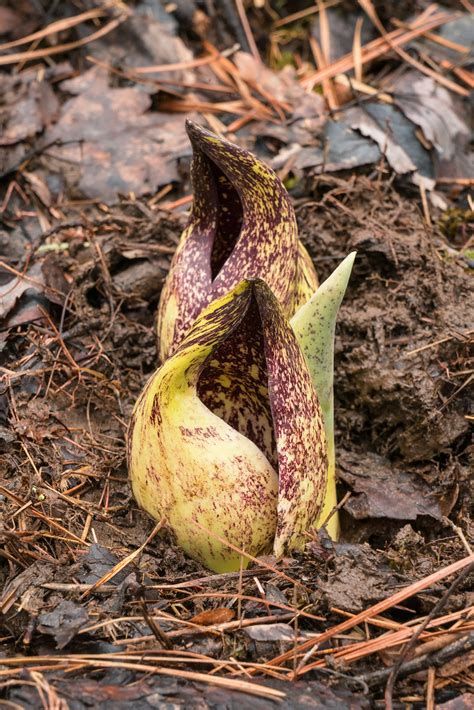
341	274
200	136
194	130
192	127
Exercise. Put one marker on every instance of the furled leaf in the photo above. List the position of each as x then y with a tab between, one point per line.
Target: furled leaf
314	326
242	226
228	435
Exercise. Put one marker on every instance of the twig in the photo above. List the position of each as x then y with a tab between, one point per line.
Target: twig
158	632
369	8
248	32
459	533
435	610
55	27
457	648
376	48
312	644
295	16
61	48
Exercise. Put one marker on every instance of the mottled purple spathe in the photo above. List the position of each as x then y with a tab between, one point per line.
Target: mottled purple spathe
242	360
242	225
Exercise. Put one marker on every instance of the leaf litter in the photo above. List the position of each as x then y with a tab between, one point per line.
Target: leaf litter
94	178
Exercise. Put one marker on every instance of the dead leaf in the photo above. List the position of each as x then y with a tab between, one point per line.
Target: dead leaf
462	702
432	108
115	144
19	17
213	616
382	134
8	20
380	490
14	288
23	583
457	665
28	105
307	109
343	149
271	632
39	187
146	38
63	622
22	297
442	118
96	563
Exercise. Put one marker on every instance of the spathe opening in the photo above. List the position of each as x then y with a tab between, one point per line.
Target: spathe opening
234	383
229	218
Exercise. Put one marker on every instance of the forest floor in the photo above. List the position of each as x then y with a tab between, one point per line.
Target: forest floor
369	132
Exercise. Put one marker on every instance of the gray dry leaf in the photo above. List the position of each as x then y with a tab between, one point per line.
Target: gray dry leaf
115	144
432	108
95	563
440	116
380	490
395	136
146	38
22	297
343	149
382	135
271	632
63	622
462	702
28	105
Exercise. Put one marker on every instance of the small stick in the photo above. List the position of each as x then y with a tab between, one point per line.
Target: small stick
158	632
437	608
457	648
248	32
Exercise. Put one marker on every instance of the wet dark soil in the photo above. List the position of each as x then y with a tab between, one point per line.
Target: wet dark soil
402	397
77	344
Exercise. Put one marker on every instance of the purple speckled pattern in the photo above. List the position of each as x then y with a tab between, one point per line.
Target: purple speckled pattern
242	225
244	363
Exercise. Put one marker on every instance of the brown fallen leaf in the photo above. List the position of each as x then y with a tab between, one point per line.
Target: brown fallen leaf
381	490
63	622
21	297
432	108
457	665
213	616
442	118
115	144
147	38
28	105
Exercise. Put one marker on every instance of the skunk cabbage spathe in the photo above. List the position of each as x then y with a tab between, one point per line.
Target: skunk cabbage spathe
242	225
314	325
228	435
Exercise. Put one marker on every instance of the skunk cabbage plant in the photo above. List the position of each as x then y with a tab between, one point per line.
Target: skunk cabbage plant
232	441
242	226
227	439
314	325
